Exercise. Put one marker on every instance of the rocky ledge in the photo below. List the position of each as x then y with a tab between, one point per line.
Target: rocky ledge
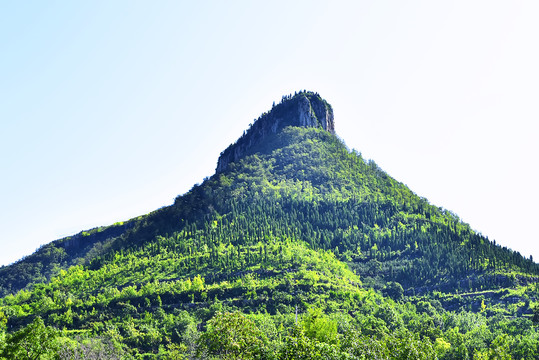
304	109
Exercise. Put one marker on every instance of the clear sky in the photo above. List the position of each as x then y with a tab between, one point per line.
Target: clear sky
110	109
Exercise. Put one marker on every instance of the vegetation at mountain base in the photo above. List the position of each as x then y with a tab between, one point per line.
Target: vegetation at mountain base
300	249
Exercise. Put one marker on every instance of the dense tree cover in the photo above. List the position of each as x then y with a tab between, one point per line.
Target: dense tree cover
375	329
301	226
306	185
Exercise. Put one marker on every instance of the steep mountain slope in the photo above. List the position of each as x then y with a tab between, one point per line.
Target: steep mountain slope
291	219
309	181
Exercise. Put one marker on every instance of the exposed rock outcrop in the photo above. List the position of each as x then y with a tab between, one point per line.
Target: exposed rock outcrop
306	109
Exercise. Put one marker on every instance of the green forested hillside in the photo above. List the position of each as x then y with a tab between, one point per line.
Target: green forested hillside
300	249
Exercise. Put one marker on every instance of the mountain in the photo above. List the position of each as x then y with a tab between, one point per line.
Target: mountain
292	225
309	111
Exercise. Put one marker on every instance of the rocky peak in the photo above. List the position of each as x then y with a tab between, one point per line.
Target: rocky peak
304	109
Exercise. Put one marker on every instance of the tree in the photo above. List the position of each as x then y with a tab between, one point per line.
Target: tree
498	350
300	347
89	349
233	336
32	342
394	290
535	318
319	327
374	266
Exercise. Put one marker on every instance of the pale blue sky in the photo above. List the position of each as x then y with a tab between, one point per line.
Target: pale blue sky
108	110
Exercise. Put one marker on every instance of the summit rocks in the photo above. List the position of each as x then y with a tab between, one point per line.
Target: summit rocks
306	109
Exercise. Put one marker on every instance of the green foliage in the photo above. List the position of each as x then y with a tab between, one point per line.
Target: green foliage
319	327
301	347
394	290
93	348
536	314
300	222
36	341
233	336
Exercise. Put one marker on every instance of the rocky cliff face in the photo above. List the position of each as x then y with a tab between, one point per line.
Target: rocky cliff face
306	109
